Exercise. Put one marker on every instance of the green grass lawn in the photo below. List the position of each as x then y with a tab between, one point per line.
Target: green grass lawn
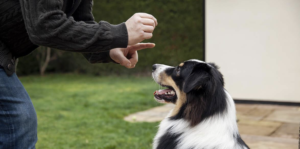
86	112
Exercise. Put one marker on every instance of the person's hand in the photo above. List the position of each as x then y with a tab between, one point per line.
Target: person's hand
128	57
140	27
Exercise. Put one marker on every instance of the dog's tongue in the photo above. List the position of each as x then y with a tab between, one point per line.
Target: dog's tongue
162	92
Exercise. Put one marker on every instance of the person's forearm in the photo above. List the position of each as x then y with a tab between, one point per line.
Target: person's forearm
102	57
48	25
84	13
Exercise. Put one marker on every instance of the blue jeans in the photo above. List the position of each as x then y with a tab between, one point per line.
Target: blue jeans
18	120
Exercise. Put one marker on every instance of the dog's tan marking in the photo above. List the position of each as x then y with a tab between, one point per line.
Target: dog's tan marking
180	101
181	64
167	80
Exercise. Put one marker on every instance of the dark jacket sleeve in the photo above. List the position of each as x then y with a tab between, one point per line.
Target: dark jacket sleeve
84	13
48	25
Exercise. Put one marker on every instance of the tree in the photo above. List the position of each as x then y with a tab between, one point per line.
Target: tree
44	56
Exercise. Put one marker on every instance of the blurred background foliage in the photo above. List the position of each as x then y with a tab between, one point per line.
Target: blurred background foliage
179	36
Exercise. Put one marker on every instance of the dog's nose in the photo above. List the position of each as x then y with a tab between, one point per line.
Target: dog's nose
154	67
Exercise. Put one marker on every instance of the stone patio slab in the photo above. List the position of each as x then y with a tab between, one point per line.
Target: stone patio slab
152	115
288	116
244	108
287	130
264	142
254	114
262	128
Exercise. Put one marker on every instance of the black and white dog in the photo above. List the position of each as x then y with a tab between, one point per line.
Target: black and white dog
204	116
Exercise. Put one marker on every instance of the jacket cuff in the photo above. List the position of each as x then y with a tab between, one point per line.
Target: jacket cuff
120	36
106	58
101	57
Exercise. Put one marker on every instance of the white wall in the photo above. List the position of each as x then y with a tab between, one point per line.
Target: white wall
257	45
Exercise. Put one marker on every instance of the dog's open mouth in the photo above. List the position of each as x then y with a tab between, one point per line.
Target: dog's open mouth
165	95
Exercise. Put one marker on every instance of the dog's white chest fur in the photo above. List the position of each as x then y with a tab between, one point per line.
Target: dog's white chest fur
215	132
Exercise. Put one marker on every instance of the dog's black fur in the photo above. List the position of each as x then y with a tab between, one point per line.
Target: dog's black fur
203	85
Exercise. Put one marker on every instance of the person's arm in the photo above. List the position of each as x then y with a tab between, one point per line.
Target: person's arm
127	57
48	25
84	13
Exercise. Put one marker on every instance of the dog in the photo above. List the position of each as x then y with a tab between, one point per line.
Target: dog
204	115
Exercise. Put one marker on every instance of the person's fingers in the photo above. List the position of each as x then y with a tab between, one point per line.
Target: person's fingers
141	46
148	29
118	56
124	61
135	27
133	55
133	59
147	35
147	21
146	15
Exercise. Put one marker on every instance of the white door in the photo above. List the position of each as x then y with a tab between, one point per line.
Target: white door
256	43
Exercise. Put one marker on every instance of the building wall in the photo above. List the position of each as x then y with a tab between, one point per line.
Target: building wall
257	45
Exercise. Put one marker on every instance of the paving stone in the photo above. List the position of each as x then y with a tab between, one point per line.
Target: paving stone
244	108
254	114
263	142
287	130
261	128
152	115
288	116
166	108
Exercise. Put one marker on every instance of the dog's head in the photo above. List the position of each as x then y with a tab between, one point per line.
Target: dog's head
195	87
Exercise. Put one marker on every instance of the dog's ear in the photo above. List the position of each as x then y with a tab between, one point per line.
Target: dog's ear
197	78
214	65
